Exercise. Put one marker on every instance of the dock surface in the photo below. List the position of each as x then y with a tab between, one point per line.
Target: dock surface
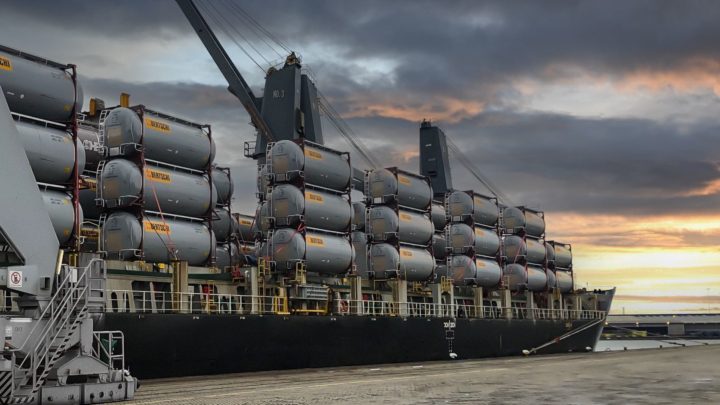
687	375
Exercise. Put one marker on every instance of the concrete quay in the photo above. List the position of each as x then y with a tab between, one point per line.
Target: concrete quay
689	375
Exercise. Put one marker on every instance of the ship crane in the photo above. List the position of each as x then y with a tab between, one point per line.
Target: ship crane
236	83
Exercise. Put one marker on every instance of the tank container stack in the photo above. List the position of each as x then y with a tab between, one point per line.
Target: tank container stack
439	243
473	240
559	266
246	233
306	213
359	238
225	224
398	225
89	136
523	249
156	188
44	98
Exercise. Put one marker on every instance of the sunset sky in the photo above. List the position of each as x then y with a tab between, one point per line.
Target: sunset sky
603	114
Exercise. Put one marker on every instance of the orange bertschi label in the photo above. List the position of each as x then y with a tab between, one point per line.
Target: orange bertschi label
315	241
157	125
404	180
5	64
405	217
313	154
314	197
158	176
157	227
406	253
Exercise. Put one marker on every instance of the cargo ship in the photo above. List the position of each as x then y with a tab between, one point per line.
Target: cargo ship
336	265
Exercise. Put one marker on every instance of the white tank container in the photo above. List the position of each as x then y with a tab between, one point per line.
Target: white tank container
439	245
223	185
486	211
360	245
411	227
262	222
551	279
122	183
410	190
515	275
51	152
537	279
123	234
62	214
227	255
531	278
438	217
317	165
564	281
489	273
460	237
319	209
461	270
416	264
516	219
487	242
224	225
164	140
515	247
358	215
246	228
562	254
323	253
90	140
464	206
37	89
383	260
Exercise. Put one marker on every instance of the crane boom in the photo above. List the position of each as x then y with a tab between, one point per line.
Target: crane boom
236	83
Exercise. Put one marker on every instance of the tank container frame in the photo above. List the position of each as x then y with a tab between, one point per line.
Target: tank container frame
138	158
522	234
441	232
71	126
550	264
468	220
233	239
303	186
392	201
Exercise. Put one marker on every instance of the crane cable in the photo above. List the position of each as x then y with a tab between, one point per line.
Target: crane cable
222	27
334	117
234	27
345	131
258	29
460	156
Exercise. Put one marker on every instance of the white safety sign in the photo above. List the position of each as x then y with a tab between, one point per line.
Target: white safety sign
15	279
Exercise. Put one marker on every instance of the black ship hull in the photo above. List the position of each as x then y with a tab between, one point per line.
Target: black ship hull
175	345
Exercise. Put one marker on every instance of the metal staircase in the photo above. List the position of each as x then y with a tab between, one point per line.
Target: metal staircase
27	368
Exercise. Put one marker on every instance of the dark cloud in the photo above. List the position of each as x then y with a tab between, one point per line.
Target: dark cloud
127	19
438	53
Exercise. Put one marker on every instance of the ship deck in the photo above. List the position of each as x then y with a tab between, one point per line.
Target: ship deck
677	375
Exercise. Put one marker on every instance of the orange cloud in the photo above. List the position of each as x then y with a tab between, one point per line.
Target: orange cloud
710	188
407	155
440	108
693	74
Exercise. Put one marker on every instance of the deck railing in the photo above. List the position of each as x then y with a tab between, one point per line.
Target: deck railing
226	304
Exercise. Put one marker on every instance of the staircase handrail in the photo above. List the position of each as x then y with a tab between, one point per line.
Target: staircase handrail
64	302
